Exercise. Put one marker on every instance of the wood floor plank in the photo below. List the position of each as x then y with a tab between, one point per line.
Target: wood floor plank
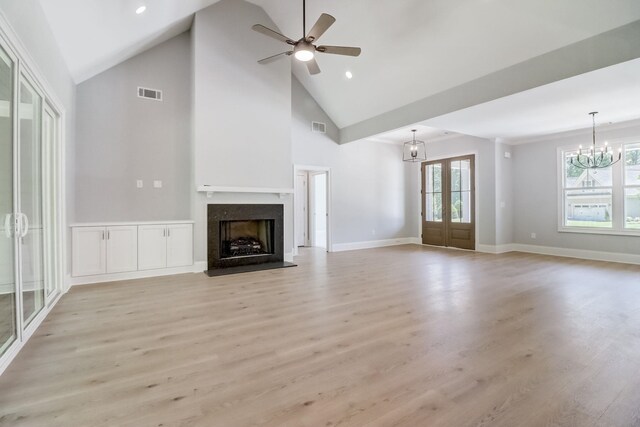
405	336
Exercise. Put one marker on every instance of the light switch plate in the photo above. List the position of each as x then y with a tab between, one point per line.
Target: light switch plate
139	183
157	184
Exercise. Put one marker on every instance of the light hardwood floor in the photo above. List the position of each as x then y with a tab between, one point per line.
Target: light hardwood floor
407	336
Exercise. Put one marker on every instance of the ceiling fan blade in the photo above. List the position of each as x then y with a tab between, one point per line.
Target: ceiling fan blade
340	50
274	57
273	34
313	67
322	24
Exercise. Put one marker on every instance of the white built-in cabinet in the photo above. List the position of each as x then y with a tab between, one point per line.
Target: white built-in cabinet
115	248
165	246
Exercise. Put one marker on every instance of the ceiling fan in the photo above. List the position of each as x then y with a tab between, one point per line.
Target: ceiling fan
304	50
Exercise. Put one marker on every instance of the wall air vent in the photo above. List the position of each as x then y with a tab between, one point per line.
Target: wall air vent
147	93
318	127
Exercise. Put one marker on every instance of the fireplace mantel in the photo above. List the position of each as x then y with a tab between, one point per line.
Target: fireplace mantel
210	189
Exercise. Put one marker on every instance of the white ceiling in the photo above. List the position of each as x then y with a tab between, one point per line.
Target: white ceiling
416	48
95	35
423	133
557	107
411	48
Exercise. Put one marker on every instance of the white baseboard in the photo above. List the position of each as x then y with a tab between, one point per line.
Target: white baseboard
341	247
562	252
496	249
578	253
197	267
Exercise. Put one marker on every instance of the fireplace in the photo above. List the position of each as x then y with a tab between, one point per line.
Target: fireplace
253	237
244	238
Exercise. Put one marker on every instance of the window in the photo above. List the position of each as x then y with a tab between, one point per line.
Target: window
632	186
602	200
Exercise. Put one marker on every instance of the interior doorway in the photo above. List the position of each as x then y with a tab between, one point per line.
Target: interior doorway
311	223
448	202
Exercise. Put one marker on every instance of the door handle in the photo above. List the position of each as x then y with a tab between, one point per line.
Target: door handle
8	225
24	225
168	232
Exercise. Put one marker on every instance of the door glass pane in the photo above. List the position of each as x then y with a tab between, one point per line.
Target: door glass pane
465	175
7	240
31	201
456	204
48	135
632	208
588	208
455	176
461	191
433	196
434	207
632	164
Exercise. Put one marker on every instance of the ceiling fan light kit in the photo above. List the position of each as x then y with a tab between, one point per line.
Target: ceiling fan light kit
304	50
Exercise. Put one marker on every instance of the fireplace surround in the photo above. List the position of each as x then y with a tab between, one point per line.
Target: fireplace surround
246	237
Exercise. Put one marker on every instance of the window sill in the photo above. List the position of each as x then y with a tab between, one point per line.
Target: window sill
610	232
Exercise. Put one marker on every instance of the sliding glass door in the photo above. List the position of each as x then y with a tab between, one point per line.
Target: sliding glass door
31	217
8	301
31	246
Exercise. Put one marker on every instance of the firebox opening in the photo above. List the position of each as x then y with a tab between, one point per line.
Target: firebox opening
247	238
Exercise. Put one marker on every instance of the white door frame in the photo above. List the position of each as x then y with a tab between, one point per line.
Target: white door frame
306	240
301	168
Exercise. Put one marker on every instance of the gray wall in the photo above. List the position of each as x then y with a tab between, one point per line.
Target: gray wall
242	112
371	188
504	194
242	130
535	175
123	138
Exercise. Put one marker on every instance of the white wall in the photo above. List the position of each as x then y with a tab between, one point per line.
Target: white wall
535	180
123	138
242	112
371	188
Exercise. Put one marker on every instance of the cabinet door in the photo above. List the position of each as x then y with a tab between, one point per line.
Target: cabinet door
152	247
122	249
89	251
179	245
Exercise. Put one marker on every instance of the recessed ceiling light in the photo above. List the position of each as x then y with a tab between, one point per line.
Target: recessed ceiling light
349	75
141	9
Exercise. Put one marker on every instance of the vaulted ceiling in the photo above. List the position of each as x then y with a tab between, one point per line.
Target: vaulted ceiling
411	48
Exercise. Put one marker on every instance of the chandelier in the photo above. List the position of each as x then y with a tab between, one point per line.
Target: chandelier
414	151
595	157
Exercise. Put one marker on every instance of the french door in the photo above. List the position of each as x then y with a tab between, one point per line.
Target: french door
448	202
30	228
